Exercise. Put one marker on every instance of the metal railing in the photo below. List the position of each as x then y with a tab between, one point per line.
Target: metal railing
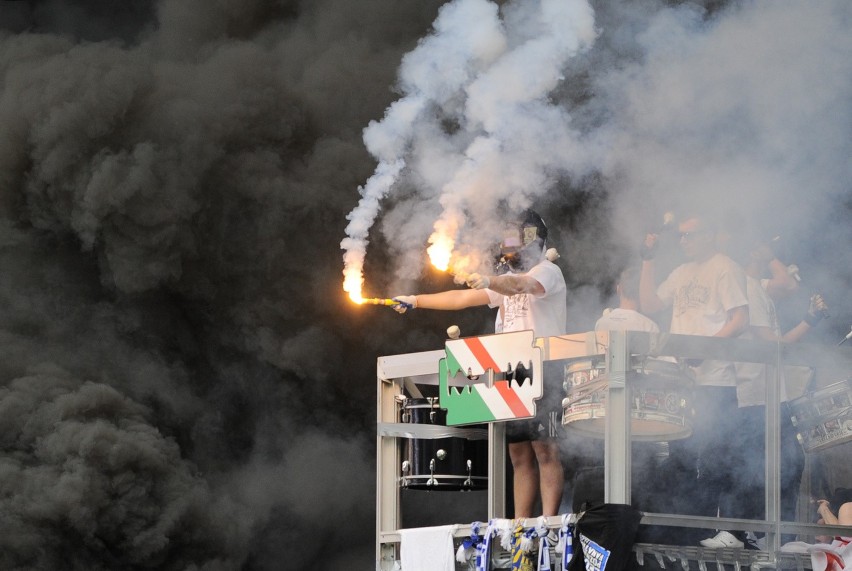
401	375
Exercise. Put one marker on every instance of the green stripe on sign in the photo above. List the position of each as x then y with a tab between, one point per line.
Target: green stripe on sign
466	407
452	363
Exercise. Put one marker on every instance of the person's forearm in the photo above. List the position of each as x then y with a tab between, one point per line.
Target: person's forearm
511	284
452	299
796	332
781	283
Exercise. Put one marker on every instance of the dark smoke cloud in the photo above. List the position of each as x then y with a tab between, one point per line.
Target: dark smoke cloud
184	387
93	472
184	384
94	20
89	483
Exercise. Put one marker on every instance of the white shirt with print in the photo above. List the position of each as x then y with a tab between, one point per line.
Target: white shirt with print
546	314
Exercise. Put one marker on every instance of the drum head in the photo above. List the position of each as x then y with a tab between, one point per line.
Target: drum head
661	372
650	428
657	415
823	418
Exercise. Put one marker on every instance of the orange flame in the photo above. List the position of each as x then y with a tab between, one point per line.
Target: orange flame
353	281
441	251
445	259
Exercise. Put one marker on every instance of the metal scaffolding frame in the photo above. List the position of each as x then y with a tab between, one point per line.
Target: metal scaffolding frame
397	373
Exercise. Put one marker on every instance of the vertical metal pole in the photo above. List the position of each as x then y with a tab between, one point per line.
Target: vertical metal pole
387	466
617	435
496	470
772	474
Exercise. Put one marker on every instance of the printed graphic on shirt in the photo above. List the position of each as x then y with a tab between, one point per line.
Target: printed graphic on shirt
516	307
595	555
690	296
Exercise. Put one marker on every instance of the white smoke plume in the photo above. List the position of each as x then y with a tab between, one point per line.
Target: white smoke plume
720	109
730	114
736	110
475	121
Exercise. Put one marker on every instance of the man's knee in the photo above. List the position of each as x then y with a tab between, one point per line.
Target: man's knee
546	451
521	454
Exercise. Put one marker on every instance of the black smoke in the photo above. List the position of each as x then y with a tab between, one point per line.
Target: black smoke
184	386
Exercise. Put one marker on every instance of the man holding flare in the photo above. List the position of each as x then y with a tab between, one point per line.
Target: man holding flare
530	293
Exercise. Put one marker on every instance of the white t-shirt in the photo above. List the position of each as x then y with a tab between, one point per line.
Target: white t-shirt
701	294
751	377
620	319
546	314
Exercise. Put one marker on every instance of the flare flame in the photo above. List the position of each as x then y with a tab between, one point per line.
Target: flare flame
352	284
441	251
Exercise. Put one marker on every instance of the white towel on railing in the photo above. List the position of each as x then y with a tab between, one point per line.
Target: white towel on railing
427	548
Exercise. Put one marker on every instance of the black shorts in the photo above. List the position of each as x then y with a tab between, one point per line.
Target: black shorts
545	425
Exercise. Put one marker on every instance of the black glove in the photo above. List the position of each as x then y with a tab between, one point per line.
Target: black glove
817	311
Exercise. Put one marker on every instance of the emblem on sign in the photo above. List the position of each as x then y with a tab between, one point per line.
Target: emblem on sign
501	376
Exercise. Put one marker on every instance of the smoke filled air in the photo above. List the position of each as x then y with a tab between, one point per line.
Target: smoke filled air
184	383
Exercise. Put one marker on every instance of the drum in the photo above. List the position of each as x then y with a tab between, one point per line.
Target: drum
823	418
450	463
660	399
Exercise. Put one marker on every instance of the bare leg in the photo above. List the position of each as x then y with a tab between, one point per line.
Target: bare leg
551	474
525	479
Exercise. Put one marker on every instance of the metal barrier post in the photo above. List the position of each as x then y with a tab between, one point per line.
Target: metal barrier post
617	435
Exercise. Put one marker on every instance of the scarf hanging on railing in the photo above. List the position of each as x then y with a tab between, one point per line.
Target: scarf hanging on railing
469	546
521	546
483	548
566	541
542	530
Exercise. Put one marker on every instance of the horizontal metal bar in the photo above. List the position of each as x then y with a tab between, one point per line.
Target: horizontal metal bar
654	344
679	520
464	530
429	431
789	527
409	364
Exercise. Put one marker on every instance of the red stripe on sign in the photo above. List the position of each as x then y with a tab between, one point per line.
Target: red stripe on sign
481	353
512	399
